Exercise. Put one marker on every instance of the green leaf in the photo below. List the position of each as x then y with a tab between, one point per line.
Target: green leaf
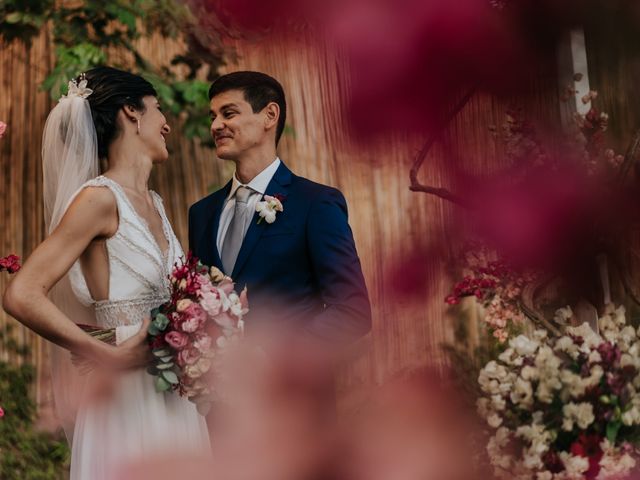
169	376
127	18
154	312
152	370
153	330
165	366
161	321
166	359
162	385
160	352
15	17
612	431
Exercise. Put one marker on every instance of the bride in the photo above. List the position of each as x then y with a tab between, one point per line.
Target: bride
106	261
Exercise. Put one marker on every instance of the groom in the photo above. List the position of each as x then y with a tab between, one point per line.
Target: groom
302	270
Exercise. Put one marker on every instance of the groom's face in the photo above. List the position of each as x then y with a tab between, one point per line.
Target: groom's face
235	128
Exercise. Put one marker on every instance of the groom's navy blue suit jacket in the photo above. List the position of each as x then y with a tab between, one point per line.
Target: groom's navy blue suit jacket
302	268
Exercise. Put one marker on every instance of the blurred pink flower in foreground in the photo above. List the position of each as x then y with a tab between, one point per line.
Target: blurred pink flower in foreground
3	128
412	59
10	263
1	412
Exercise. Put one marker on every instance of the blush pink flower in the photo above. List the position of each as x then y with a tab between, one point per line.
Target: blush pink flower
226	286
203	343
176	340
225	320
1	412
3	128
188	356
195	318
210	301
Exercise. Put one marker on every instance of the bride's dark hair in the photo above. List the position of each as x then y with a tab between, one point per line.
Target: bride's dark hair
112	90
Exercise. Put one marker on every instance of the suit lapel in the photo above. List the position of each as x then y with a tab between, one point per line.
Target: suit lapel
211	232
278	184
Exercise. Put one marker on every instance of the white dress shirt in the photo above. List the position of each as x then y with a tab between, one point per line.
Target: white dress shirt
258	184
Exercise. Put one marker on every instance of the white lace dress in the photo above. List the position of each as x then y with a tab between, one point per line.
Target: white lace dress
135	422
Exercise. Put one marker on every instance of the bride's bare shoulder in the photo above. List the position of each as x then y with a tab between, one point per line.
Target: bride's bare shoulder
96	206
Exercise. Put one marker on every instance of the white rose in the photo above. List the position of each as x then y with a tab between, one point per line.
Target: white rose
574	465
494	420
522	393
580	413
563	315
523	345
530	373
183	304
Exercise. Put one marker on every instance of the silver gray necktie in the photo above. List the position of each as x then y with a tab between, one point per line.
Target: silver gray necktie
235	232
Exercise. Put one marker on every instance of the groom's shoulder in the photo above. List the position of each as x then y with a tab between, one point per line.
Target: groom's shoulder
314	191
209	201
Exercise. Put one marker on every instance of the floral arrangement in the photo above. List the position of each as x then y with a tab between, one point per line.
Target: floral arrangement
497	286
188	333
566	407
10	263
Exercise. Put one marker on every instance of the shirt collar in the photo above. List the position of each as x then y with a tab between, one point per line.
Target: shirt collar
260	182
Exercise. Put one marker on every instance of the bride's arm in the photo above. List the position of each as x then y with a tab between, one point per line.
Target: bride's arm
93	214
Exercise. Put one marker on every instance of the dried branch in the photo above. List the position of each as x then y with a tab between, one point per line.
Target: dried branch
527	305
416	186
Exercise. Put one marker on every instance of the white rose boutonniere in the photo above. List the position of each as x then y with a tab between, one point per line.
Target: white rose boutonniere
269	207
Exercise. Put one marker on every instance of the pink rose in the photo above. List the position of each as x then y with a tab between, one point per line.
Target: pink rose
205	282
1	412
10	263
203	343
188	356
226	286
211	302
3	128
195	318
177	340
225	320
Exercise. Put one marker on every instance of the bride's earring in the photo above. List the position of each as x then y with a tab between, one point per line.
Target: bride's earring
138	122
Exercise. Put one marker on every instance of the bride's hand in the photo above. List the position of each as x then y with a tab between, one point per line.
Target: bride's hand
133	352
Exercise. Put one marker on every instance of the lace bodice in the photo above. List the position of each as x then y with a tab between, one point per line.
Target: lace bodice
138	269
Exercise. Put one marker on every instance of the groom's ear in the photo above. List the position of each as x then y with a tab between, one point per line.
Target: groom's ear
272	113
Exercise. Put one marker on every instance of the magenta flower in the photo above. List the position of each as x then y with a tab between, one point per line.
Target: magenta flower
176	339
10	263
3	128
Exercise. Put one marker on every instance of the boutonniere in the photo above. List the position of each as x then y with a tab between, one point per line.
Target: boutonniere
269	206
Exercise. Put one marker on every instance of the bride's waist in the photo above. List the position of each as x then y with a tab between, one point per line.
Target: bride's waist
131	311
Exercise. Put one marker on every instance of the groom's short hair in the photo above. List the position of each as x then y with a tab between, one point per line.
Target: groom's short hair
259	90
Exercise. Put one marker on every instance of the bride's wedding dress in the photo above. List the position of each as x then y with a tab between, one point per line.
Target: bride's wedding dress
133	422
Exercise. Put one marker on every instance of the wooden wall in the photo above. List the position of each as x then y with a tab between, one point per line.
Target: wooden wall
389	221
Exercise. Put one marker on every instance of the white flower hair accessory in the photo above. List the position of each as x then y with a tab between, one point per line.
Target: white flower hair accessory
78	89
268	208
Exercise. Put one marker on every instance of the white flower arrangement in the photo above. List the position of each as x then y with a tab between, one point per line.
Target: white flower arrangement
567	407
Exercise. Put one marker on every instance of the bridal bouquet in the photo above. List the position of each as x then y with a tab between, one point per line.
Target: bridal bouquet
565	407
188	333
